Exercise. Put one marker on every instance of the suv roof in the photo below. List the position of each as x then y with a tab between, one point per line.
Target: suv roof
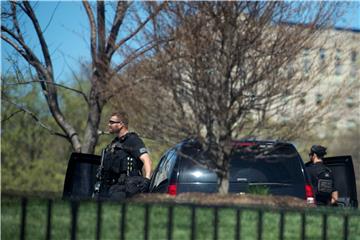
262	141
238	142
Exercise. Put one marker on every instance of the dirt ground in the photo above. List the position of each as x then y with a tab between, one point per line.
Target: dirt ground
218	199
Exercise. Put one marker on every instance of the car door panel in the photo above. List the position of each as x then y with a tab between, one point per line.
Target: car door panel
81	175
344	177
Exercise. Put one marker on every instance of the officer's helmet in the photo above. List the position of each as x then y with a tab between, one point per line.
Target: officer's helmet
319	150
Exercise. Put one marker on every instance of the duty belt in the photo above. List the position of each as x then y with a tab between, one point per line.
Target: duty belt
112	178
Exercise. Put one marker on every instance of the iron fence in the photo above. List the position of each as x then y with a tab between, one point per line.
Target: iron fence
343	213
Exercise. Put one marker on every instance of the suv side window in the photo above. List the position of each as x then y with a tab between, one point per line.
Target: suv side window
165	168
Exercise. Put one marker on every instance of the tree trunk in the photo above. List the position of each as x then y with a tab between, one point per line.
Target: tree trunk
224	183
91	136
91	132
223	160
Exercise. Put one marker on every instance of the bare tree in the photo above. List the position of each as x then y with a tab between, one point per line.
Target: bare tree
127	35
227	68
123	35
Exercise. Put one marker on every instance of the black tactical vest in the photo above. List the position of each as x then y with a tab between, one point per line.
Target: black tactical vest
118	160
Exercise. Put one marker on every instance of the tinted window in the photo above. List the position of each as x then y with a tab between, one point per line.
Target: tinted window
166	166
195	166
266	164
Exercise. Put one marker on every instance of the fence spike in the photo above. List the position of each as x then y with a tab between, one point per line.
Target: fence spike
24	202
98	219
346	226
193	225
216	222
281	234
74	215
146	224
238	225
48	223
123	221
170	222
303	225
324	227
260	224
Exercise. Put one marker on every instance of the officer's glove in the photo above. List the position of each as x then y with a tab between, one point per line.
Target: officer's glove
145	185
136	184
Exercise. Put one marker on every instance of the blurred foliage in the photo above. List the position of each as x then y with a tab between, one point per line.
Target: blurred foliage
259	190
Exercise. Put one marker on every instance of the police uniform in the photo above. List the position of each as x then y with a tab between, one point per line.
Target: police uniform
121	161
315	170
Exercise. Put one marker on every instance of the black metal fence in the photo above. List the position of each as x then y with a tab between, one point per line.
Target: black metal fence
343	213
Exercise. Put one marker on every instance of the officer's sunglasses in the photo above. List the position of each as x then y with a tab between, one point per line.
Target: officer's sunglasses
113	122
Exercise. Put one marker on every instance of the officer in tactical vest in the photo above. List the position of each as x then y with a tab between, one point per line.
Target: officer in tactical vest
321	177
126	165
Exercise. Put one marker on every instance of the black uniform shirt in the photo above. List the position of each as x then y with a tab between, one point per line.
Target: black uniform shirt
120	149
314	170
133	144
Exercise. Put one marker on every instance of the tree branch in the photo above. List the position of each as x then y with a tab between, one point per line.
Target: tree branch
55	84
137	30
25	52
100	16
135	54
39	33
33	115
15	21
121	9
10	116
15	46
52	16
44	72
91	17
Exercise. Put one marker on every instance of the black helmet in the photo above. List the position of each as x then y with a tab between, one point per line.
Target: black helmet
319	150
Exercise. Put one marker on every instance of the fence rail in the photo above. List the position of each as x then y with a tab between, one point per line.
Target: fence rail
213	224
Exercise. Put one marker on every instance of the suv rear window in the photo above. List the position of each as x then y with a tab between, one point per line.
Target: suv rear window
165	168
264	163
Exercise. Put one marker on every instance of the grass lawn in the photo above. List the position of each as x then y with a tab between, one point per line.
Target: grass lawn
158	215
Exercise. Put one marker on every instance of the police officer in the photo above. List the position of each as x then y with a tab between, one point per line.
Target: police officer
126	166
321	177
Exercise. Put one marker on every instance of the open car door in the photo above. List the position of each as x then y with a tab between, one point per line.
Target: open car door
344	177
80	176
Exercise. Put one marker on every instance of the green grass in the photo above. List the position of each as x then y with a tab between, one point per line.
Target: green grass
134	225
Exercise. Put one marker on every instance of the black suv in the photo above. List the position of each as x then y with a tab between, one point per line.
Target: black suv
275	167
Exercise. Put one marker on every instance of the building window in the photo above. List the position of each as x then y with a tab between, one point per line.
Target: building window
319	98
322	57
353	56
353	63
306	60
290	71
351	124
350	102
302	99
338	62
